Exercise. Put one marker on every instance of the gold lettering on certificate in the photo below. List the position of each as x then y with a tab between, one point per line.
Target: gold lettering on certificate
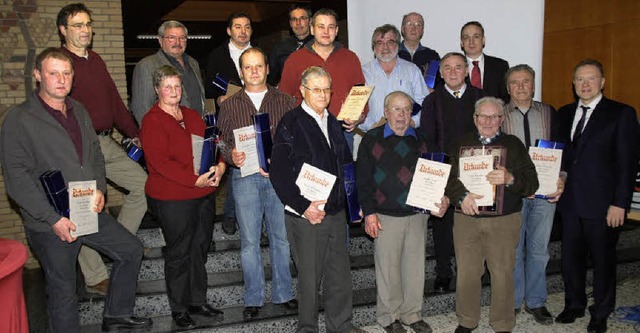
543	157
310	176
78	192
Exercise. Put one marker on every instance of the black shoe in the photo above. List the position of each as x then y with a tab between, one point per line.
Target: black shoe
597	325
568	316
395	327
541	315
250	312
441	284
229	225
205	310
183	320
290	304
462	329
420	326
114	324
517	311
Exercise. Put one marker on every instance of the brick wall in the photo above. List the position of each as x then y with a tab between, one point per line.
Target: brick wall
27	27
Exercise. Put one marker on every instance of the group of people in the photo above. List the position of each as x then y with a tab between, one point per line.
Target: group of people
477	100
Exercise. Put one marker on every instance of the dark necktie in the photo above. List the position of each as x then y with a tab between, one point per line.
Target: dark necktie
456	93
527	130
578	132
476	80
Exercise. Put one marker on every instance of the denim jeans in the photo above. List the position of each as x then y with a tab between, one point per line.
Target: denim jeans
532	253
255	198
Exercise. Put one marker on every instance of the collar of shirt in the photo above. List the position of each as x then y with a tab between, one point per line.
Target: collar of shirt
461	90
591	105
480	61
313	113
485	141
174	62
405	48
389	132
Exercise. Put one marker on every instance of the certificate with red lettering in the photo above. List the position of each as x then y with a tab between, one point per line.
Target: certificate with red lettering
245	138
314	184
428	184
547	162
354	103
473	174
82	198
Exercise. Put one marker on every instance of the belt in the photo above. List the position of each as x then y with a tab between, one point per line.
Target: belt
105	132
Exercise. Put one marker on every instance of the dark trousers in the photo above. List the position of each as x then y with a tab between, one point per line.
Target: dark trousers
581	237
319	251
187	226
443	242
58	260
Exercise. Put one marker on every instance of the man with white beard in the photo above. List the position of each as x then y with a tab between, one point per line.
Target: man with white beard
389	73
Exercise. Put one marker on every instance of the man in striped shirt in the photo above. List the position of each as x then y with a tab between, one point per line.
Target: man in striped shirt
529	121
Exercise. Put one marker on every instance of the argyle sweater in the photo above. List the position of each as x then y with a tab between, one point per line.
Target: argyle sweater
384	171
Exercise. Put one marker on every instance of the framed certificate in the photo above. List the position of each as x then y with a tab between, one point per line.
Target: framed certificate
473	176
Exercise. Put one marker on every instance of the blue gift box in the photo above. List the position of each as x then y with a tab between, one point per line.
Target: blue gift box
209	155
211	119
264	142
55	189
134	152
351	190
432	73
220	83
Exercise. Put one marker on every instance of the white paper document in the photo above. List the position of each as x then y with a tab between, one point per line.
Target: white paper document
82	198
473	174
547	162
314	184
245	138
428	184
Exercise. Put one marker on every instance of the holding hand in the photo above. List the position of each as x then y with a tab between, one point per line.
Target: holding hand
372	225
63	229
469	206
313	213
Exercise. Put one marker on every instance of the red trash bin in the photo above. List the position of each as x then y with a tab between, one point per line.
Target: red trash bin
13	316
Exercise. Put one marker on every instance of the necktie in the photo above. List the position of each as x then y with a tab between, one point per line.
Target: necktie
476	80
456	93
527	130
578	132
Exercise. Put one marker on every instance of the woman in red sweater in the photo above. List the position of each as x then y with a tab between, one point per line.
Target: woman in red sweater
181	199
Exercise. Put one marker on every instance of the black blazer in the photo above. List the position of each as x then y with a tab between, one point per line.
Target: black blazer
494	83
220	62
601	168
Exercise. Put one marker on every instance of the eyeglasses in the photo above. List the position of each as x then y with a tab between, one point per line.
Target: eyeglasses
172	38
318	91
81	25
298	19
489	118
413	24
406	109
389	43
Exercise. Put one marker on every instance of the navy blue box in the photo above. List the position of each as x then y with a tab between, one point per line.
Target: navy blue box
55	189
264	142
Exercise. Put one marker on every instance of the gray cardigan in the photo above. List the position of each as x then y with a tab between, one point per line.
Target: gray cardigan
34	142
143	96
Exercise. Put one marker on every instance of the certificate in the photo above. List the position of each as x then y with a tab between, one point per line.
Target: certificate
314	184
245	138
82	198
232	89
473	174
354	104
547	162
427	186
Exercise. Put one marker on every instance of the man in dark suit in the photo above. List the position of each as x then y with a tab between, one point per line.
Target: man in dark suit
600	157
486	72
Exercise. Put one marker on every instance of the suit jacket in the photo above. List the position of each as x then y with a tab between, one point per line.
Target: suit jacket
494	83
601	168
143	94
220	62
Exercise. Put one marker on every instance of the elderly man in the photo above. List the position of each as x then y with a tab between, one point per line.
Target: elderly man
253	195
487	72
50	131
316	231
490	239
388	73
530	121
447	114
600	156
393	150
411	49
342	64
172	36
95	89
299	18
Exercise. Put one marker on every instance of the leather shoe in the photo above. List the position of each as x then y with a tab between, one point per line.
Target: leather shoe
250	312
229	225
395	327
205	310
441	284
462	329
114	324
568	316
541	315
183	320
597	325
420	326
290	304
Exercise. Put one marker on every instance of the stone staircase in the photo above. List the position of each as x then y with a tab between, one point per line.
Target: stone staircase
225	287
